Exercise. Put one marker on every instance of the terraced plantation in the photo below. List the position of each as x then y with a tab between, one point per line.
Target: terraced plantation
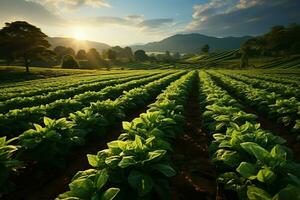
151	134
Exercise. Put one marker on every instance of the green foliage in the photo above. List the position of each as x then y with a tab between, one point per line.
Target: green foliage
255	162
205	48
69	62
137	163
20	39
50	144
279	40
8	163
140	55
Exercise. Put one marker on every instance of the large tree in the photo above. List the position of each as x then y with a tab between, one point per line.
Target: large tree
62	51
23	40
70	62
140	55
111	54
205	48
278	41
93	57
81	54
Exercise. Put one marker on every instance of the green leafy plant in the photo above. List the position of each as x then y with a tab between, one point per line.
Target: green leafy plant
8	163
51	143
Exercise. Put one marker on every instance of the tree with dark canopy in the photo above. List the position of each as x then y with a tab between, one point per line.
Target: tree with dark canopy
81	54
20	39
111	54
279	41
140	55
62	51
205	48
93	57
69	62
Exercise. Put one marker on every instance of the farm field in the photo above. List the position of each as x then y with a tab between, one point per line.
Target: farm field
150	134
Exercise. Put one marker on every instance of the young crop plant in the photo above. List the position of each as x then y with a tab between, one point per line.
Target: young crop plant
138	163
284	111
50	144
8	164
253	162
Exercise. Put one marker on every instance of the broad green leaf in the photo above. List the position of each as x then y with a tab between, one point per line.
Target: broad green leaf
156	155
93	160
167	170
257	151
112	161
38	127
138	142
82	188
110	194
48	121
150	140
247	169
114	147
278	152
2	141
126	125
231	158
290	192
255	193
219	136
84	174
266	175
127	161
102	178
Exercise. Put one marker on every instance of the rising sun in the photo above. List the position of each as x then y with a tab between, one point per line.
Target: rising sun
78	33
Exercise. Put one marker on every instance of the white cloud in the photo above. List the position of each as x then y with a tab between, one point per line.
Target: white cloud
58	5
134	21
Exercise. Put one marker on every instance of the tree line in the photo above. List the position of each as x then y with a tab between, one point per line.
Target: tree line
279	41
26	43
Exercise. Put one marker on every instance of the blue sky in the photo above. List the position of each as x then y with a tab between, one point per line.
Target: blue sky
125	22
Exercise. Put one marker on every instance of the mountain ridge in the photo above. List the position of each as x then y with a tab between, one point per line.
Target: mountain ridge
192	43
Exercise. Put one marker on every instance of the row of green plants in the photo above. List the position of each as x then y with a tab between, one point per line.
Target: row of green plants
34	84
277	79
42	86
252	162
285	112
137	165
21	102
16	121
57	137
286	91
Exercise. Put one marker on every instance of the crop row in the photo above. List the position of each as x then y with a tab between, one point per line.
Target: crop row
49	144
137	164
56	80
21	102
273	78
48	80
253	162
283	89
18	120
285	111
43	88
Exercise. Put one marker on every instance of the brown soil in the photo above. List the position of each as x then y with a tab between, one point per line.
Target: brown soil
196	177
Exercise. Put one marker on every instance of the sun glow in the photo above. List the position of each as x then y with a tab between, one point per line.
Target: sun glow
79	33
